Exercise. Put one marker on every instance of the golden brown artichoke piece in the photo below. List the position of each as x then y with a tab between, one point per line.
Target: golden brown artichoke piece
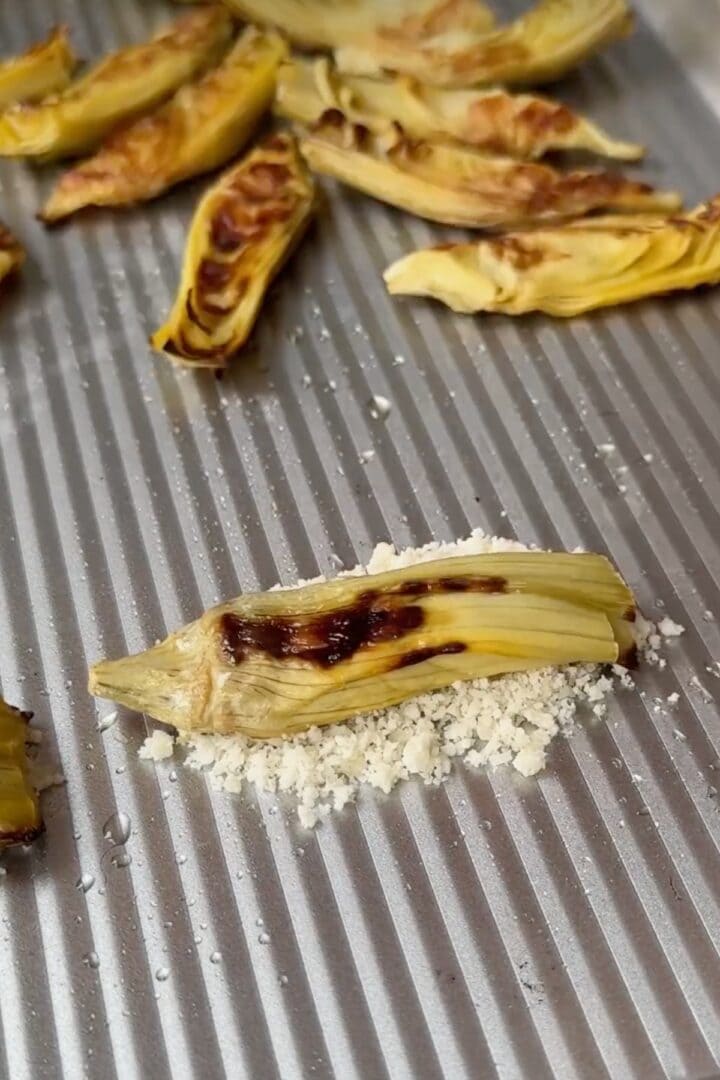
570	269
124	84
460	186
275	663
330	23
549	40
44	69
20	819
519	125
12	254
244	230
202	127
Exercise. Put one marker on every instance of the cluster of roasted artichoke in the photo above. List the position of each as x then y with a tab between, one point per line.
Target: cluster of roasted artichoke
411	108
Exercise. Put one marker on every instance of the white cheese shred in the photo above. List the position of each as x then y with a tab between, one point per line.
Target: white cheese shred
509	720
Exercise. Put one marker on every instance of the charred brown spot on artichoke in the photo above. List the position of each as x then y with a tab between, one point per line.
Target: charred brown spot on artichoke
487	584
514	251
419	656
323	639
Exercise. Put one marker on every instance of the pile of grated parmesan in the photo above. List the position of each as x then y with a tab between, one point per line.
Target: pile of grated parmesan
504	721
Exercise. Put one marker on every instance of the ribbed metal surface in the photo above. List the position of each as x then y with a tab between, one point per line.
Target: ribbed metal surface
578	935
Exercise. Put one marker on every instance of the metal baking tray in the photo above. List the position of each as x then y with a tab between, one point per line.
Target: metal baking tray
567	926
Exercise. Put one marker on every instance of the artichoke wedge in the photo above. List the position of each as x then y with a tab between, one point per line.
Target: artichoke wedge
20	819
12	254
519	125
280	662
202	127
570	269
332	23
44	69
121	86
551	39
460	186
244	230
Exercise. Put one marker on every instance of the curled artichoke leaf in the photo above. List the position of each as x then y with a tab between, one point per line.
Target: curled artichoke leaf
275	663
495	121
572	268
203	126
121	86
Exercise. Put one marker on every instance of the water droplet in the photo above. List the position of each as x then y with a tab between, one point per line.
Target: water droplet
379	407
215	957
283	980
85	882
118	828
485	824
106	722
121	860
264	938
259	922
162	974
92	960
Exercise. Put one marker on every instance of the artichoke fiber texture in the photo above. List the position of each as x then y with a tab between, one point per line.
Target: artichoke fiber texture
460	186
202	127
44	69
280	662
549	40
570	269
496	121
124	84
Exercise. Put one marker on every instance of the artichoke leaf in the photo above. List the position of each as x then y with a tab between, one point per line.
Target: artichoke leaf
123	85
333	23
457	185
496	121
20	818
202	127
570	269
243	231
46	68
275	663
12	254
545	43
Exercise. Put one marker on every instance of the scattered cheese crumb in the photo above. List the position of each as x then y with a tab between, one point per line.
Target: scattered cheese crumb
484	722
158	746
379	407
668	628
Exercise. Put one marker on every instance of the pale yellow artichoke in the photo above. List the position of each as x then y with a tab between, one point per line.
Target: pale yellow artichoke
569	269
202	127
460	186
124	84
496	121
549	40
276	663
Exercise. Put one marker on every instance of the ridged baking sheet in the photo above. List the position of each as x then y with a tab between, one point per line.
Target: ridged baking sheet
564	927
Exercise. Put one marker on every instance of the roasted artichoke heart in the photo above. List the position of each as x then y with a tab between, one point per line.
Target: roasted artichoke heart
331	23
121	86
519	125
569	269
12	254
202	127
276	663
20	819
542	45
243	231
460	186
44	69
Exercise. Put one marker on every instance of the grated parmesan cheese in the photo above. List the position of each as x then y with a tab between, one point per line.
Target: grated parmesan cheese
486	722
